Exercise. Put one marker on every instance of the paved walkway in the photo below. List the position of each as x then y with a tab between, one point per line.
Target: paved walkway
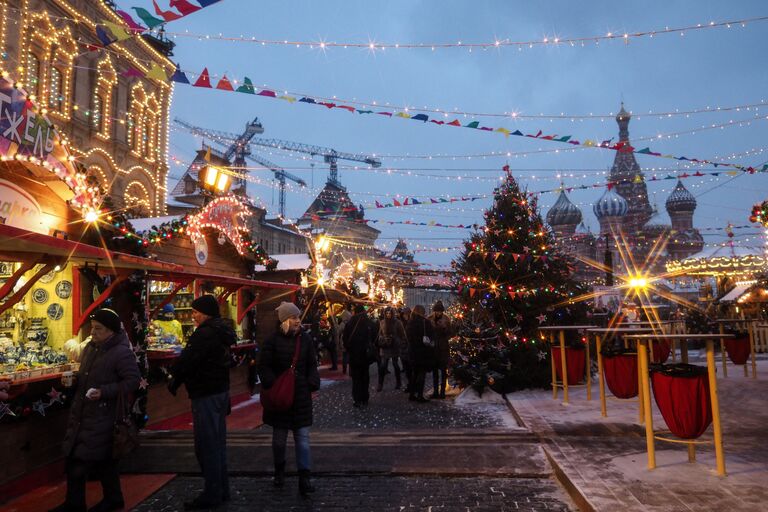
604	459
392	455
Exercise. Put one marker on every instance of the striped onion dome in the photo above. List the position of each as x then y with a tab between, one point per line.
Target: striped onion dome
563	212
611	204
680	200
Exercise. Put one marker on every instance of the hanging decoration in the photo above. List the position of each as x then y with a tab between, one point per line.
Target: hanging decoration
760	214
227	215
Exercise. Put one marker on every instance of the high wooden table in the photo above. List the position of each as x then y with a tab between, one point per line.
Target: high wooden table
607	333
751	331
642	356
550	330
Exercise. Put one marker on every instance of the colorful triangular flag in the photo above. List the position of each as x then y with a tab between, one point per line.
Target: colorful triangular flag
147	18
204	80
224	84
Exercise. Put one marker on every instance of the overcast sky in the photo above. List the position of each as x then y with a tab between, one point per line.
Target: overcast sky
717	67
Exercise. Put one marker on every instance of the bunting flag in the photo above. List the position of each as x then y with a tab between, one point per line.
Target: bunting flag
184	7
118	32
179	77
224	84
130	21
166	15
432	223
147	18
157	72
203	80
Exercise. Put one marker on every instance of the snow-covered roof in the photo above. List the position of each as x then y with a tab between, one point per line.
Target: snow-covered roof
288	262
737	291
146	223
726	251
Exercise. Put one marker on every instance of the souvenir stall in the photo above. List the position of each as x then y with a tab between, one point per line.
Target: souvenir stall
56	268
215	256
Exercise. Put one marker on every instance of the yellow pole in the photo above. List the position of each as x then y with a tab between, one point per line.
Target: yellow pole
640	389
684	351
600	376
752	326
691	452
589	371
564	366
719	455
552	362
722	350
642	356
674	350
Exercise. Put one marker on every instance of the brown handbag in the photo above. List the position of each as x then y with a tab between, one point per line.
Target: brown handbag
279	397
125	435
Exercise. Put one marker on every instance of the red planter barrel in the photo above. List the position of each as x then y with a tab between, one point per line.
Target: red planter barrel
682	395
574	362
661	350
738	349
621	374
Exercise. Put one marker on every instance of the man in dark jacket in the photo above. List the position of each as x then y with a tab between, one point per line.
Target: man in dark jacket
422	355
108	370
359	334
203	367
443	332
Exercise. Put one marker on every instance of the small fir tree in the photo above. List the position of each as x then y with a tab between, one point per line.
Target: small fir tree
511	281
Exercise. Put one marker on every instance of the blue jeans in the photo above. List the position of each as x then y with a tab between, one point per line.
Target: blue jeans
300	440
209	421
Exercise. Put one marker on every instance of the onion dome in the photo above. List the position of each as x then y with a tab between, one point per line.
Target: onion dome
611	204
583	231
680	200
623	115
563	212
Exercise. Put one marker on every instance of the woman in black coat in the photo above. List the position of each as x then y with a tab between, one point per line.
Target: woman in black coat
422	356
108	369
277	354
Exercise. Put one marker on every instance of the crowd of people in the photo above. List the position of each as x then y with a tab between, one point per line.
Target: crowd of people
410	342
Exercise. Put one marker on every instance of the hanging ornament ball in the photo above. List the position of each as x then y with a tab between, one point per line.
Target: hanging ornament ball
491	380
26	411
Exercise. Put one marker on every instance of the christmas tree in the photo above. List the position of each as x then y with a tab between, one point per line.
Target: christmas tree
510	280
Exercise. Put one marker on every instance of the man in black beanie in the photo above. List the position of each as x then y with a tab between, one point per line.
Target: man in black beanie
203	368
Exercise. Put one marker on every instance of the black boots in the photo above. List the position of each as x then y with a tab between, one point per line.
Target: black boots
305	483
279	479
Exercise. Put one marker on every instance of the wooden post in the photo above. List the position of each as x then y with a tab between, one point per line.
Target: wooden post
719	455
552	364
600	376
752	326
642	355
564	366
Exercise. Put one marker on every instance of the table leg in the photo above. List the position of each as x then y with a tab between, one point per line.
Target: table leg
684	351
552	363
600	376
642	355
589	371
674	351
752	350
719	455
722	351
564	366
691	453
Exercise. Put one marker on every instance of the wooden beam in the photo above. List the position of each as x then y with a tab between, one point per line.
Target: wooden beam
78	321
244	311
11	282
16	297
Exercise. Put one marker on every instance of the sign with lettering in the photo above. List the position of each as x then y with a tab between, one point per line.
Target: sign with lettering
19	209
227	215
22	129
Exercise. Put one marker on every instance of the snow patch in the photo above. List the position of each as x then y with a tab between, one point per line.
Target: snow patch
491	404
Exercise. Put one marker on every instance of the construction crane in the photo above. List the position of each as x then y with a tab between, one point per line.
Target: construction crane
238	147
330	156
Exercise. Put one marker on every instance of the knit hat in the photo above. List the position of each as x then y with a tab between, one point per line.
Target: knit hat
286	310
168	308
438	306
108	319
207	305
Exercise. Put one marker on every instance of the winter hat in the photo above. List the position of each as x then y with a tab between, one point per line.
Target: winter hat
286	310
168	308
207	305
438	306
108	319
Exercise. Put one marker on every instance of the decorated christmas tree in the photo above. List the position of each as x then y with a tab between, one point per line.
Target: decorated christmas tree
510	280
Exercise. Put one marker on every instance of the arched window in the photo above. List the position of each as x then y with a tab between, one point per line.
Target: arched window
97	113
55	91
33	74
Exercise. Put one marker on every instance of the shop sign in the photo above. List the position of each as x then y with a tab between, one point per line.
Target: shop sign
19	209
22	130
226	215
201	251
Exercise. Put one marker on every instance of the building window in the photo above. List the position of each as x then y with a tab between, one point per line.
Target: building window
55	93
33	74
97	113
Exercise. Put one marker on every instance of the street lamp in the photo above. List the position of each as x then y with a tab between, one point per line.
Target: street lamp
215	179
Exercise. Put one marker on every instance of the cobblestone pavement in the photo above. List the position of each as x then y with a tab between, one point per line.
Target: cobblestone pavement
392	455
365	493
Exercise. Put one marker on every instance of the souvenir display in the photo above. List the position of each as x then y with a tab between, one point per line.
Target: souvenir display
40	295
55	311
63	289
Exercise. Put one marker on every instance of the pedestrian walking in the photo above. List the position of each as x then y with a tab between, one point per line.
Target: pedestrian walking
203	367
443	332
277	355
344	319
422	352
108	376
405	357
358	335
389	340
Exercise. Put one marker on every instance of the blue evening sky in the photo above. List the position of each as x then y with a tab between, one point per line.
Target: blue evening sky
717	67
